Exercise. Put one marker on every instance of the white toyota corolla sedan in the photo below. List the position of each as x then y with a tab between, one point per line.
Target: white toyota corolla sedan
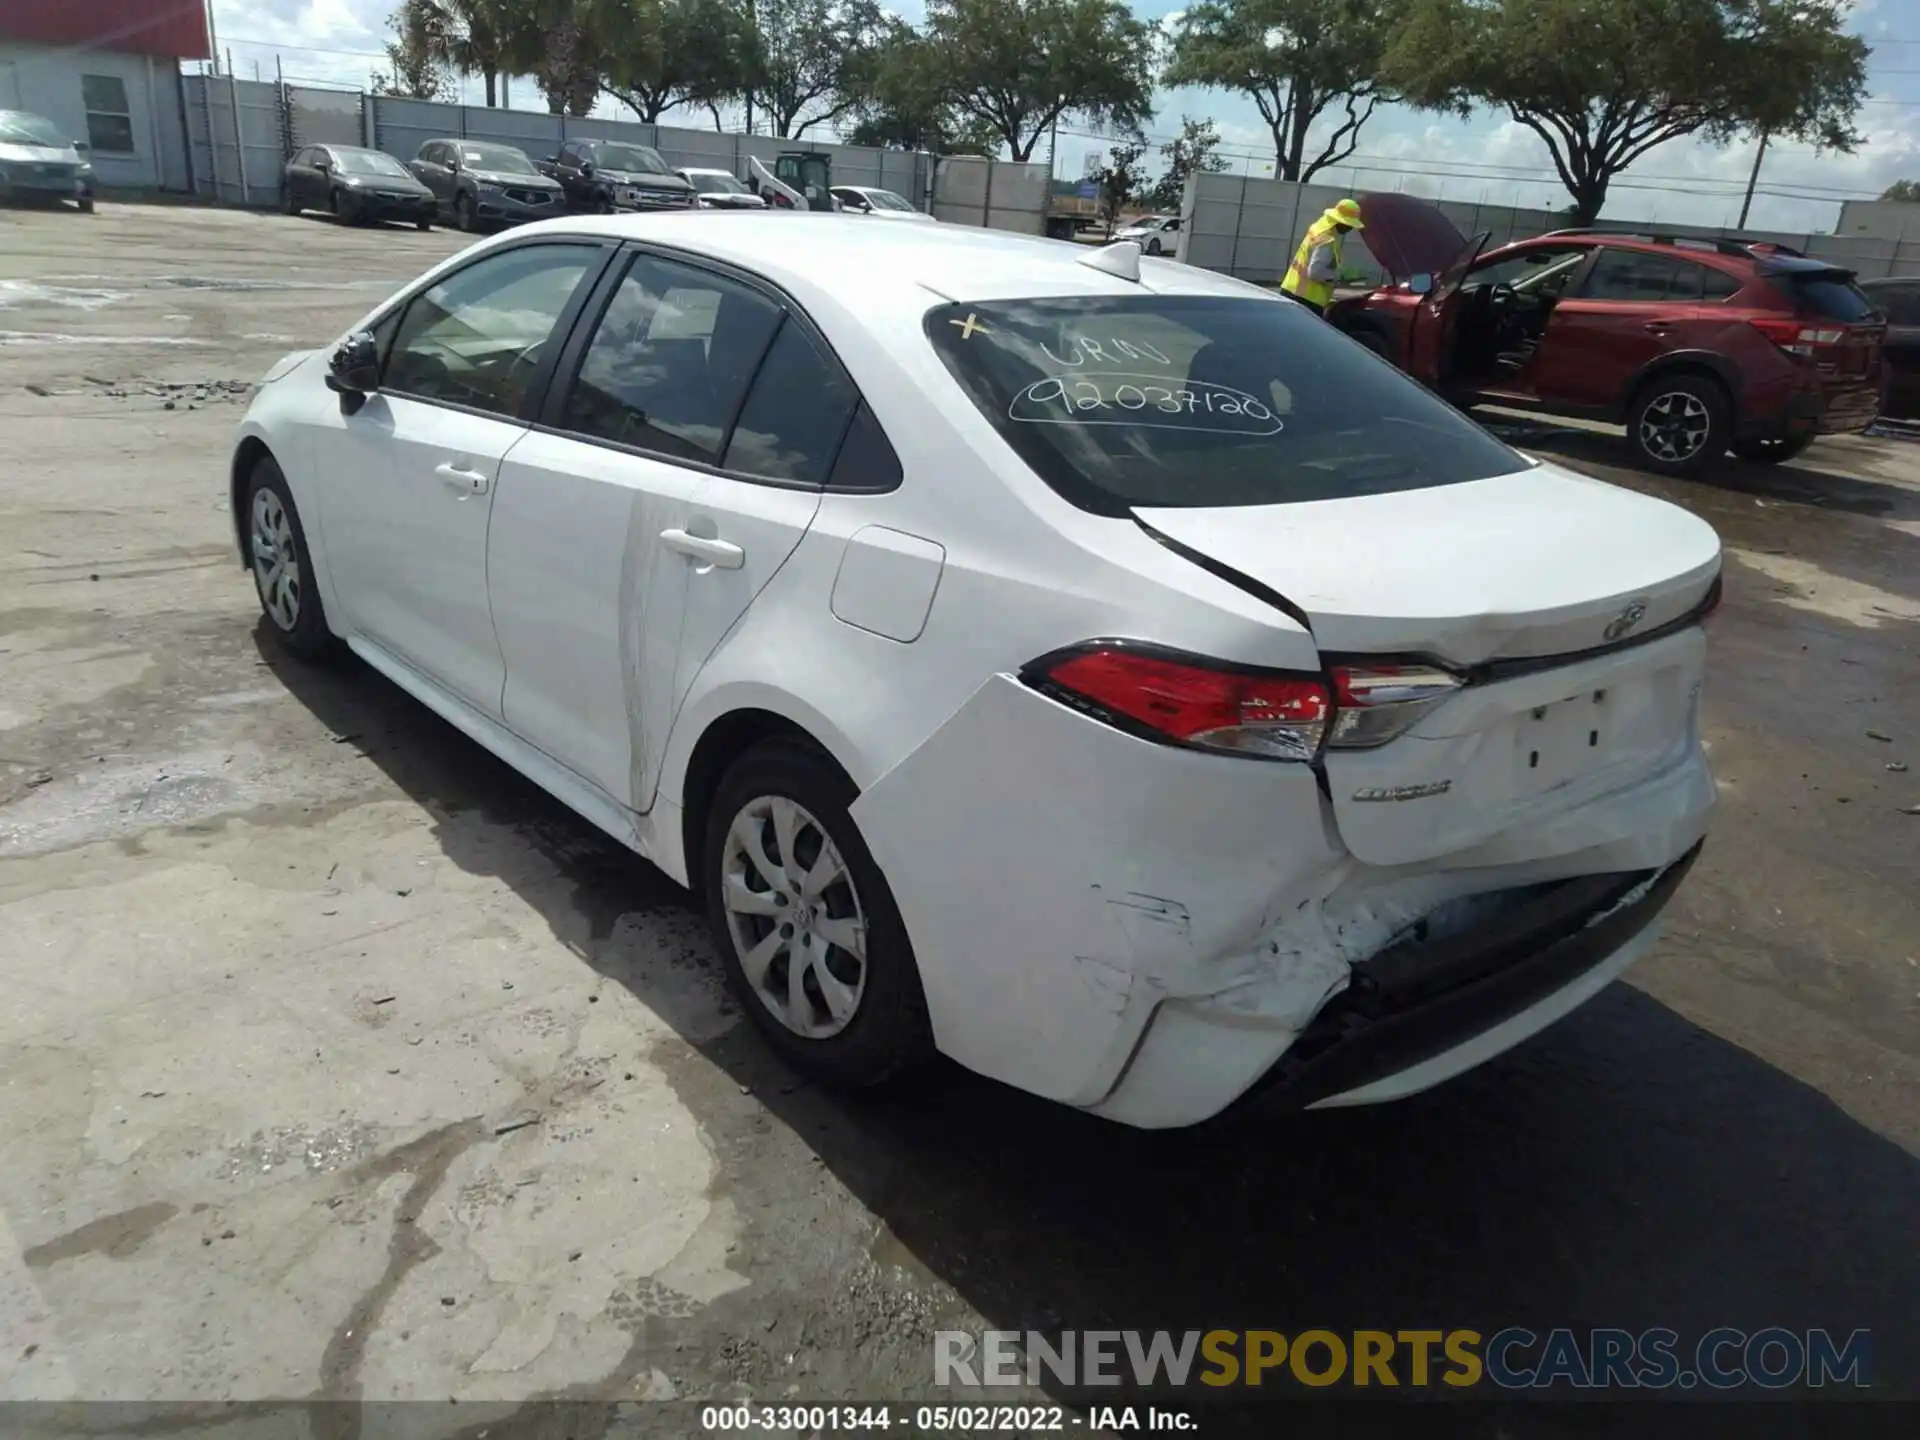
1094	669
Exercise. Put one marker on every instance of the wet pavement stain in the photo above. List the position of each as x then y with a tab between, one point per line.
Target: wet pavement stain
115	1236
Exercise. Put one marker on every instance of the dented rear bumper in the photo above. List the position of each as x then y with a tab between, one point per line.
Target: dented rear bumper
1148	932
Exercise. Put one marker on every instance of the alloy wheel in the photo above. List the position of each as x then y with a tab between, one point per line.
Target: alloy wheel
796	920
276	563
1674	426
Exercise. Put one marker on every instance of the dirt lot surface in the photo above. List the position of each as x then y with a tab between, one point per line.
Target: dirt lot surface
337	1061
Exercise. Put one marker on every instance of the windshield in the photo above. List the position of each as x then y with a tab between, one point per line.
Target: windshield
368	162
885	200
1182	400
631	157
708	183
501	158
19	128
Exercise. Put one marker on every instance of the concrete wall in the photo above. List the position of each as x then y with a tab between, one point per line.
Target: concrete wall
1879	220
1250	227
47	81
995	194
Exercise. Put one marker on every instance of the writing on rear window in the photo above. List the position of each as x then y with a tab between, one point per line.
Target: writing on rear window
1121	399
1104	350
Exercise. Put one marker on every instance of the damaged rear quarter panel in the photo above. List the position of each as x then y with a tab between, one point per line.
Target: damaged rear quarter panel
1059	877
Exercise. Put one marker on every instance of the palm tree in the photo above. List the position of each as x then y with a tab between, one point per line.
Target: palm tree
473	37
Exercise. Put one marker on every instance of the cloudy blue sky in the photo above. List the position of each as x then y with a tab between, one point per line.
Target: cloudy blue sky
1488	158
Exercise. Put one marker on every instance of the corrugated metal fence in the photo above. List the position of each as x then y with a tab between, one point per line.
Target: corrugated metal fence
242	132
1249	228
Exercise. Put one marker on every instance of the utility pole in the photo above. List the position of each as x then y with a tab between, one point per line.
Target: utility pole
1752	180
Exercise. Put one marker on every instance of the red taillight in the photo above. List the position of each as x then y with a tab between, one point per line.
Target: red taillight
1279	716
1798	338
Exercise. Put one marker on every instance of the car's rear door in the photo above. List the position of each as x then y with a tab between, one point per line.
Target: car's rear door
627	535
409	474
1633	307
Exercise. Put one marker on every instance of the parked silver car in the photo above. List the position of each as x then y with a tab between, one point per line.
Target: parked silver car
37	162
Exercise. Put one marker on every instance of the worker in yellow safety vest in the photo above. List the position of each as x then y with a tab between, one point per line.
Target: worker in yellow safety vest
1316	265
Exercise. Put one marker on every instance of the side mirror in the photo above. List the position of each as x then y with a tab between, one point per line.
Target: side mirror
586	167
551	160
322	163
82	149
453	162
1420	284
355	368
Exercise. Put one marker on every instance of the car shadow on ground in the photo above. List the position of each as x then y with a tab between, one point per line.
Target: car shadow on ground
1626	1169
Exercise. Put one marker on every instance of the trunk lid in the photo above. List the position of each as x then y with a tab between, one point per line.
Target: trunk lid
1525	585
1409	236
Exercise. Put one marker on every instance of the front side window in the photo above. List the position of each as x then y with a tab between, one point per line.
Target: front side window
477	337
109	117
671	360
1548	267
1187	400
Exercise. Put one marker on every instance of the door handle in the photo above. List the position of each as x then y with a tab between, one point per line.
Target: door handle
1658	327
458	477
721	553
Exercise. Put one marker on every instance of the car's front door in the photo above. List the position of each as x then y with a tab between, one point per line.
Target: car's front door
1430	333
301	177
1632	307
410	473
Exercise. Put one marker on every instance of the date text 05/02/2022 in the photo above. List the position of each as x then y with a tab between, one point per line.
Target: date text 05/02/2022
943	1419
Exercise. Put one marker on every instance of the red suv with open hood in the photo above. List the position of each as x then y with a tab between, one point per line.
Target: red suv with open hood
1697	347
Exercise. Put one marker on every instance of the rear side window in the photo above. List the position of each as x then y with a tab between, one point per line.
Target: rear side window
1720	285
1634	275
795	414
1186	400
671	360
1830	293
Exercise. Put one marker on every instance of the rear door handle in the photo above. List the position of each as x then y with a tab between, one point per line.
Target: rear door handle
456	476
721	553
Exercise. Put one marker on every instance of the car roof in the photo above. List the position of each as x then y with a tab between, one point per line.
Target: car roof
854	259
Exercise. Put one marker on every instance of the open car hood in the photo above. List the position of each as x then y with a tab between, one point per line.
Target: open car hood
1409	236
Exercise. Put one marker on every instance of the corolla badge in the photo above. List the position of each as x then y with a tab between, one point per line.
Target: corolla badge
1635	612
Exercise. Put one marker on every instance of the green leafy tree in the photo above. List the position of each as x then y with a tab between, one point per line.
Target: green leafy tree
907	107
1121	176
415	69
813	61
1906	191
1297	60
561	43
1191	152
1604	82
659	54
1019	66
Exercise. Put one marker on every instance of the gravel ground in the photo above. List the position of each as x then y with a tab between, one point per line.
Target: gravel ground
340	1063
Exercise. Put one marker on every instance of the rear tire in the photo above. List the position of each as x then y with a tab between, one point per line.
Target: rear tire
1774	451
864	1020
282	567
1677	424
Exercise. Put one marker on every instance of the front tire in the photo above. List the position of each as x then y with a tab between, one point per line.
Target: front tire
86	205
811	938
282	567
463	215
1678	424
1774	451
343	208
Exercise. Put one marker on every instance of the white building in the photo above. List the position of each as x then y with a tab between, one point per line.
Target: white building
107	74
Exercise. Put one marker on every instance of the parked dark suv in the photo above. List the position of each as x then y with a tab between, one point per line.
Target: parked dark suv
603	176
1696	347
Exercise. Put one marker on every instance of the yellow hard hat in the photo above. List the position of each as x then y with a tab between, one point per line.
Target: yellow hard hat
1347	212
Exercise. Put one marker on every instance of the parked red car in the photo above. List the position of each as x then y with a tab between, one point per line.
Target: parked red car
1697	347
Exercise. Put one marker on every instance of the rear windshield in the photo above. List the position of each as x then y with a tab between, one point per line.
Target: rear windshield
1183	400
1830	293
